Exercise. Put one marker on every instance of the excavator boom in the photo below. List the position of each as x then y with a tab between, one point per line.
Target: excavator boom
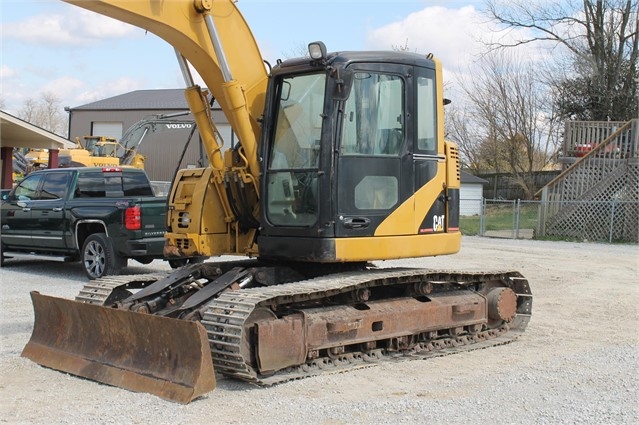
198	29
180	24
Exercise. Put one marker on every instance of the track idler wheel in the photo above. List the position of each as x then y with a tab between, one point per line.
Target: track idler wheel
502	304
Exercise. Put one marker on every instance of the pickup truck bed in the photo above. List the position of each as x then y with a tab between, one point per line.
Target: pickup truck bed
100	216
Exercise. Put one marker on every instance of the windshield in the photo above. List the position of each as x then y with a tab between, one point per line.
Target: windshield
295	152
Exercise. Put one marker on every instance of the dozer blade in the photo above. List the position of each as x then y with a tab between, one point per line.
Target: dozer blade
167	357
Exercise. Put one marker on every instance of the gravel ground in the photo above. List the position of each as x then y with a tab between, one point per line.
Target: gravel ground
576	363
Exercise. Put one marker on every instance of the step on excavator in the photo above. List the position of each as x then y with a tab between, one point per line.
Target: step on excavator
341	162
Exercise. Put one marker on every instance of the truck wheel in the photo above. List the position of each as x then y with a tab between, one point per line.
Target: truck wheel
144	260
176	264
197	260
99	258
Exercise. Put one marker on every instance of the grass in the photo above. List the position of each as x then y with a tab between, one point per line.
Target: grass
469	225
500	217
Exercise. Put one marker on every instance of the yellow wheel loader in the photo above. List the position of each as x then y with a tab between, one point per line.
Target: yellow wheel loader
96	151
340	161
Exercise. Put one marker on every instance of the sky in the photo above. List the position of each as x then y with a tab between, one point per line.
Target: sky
48	46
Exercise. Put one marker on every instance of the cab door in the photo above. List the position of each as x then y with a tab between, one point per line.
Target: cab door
17	225
374	163
47	210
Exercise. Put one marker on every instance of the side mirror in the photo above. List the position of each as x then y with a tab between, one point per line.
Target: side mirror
343	82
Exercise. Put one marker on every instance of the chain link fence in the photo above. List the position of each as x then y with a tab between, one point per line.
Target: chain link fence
601	221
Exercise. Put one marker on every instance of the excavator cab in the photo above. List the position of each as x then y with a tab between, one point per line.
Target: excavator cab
350	142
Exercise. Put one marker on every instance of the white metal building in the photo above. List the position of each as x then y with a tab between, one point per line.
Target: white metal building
471	194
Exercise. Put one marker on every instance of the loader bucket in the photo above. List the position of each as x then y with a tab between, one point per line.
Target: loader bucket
167	357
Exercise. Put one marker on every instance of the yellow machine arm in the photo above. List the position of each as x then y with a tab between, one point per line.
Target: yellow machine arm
213	36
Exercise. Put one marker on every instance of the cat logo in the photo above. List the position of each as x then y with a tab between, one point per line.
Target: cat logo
438	223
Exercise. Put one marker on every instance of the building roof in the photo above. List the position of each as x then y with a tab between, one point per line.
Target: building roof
469	178
17	133
159	99
156	99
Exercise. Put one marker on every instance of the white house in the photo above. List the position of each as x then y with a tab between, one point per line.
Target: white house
471	194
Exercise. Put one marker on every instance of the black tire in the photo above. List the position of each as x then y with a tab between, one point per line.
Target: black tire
99	258
176	264
181	262
1	255
144	260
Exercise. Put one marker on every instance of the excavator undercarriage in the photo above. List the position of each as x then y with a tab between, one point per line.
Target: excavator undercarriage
267	334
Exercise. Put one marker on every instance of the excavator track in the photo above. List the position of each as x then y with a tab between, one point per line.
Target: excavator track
230	318
100	291
227	321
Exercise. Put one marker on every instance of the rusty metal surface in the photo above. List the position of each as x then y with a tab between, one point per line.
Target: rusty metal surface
502	304
284	342
393	318
166	357
459	320
280	343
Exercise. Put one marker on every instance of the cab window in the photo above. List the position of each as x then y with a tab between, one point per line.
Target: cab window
54	186
90	185
292	176
426	116
136	184
27	189
374	115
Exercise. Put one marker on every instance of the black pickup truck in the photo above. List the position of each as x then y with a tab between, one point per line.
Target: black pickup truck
100	216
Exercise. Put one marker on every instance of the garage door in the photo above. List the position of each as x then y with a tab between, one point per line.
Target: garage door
470	197
108	129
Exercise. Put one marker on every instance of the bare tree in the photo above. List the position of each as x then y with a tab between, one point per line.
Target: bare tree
300	50
506	127
602	41
460	128
402	47
46	113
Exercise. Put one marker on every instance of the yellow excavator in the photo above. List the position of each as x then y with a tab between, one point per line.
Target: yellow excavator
340	161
